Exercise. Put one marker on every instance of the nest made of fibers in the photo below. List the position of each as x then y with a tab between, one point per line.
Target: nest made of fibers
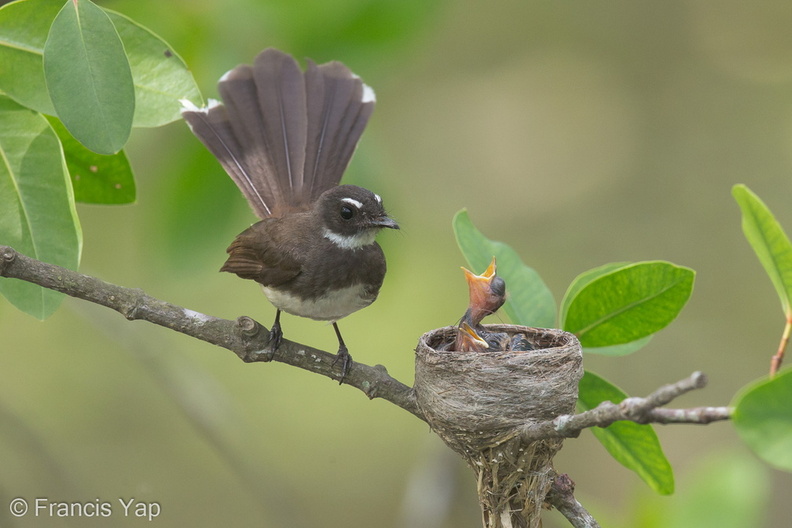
482	398
477	402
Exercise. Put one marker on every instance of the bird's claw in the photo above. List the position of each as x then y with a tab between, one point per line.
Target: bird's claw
274	341
345	359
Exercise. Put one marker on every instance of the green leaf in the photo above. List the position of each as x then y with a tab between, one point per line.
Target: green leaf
581	281
529	301
96	179
24	27
633	445
37	214
89	78
161	77
769	242
763	419
577	285
627	303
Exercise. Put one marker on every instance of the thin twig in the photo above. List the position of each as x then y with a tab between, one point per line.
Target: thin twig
245	337
695	415
639	410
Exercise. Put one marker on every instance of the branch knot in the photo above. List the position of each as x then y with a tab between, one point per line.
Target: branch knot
247	326
7	256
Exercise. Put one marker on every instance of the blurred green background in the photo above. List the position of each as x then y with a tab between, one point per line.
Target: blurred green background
580	133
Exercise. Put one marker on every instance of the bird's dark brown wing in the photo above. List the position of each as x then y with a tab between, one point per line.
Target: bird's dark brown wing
258	254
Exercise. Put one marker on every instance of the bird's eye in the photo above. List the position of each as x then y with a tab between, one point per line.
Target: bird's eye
347	213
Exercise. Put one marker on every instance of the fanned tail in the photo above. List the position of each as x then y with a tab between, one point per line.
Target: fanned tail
339	106
284	136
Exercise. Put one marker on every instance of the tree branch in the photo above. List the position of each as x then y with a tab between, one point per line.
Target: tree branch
639	410
561	495
248	340
245	337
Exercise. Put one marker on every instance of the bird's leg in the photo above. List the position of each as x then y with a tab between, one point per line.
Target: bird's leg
342	355
275	335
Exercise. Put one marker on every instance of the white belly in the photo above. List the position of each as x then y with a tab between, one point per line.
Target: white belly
332	307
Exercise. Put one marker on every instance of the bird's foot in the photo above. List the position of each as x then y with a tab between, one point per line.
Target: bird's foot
345	359
274	341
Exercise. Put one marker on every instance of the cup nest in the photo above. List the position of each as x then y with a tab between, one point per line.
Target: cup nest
478	402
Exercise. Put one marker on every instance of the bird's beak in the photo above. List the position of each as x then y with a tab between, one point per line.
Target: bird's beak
479	285
487	293
468	339
384	222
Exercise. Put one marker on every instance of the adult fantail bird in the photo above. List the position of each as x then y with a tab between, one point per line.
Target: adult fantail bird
285	137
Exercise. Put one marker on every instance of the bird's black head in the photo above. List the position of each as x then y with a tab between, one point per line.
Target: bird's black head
351	216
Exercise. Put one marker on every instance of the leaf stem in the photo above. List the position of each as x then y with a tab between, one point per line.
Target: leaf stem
775	361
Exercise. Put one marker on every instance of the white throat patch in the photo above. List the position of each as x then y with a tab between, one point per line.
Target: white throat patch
351	242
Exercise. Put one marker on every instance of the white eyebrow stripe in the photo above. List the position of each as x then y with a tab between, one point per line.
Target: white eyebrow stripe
352	201
378	198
